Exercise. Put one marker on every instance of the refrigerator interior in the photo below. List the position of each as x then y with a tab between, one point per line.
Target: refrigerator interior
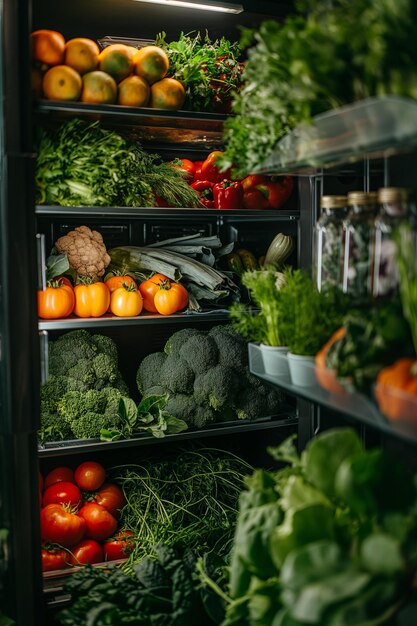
18	318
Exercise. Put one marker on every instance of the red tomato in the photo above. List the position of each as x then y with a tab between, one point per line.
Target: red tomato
90	476
62	493
148	289
56	301
185	166
87	551
100	524
119	546
53	559
59	525
59	474
111	497
114	282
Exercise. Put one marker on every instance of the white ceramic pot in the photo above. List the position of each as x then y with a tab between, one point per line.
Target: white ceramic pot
302	370
275	361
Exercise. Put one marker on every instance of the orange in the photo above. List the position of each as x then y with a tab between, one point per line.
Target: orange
36	82
117	60
82	54
98	88
134	92
167	93
152	63
48	46
62	83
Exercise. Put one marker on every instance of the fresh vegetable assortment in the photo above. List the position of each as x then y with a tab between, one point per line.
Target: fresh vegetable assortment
79	513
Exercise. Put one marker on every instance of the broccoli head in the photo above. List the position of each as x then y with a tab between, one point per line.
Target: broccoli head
82	375
105	345
176	375
76	403
105	370
203	416
217	388
53	426
251	404
149	372
181	406
233	352
177	340
68	350
88	413
200	352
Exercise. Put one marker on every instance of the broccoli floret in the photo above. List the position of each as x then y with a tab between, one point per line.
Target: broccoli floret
53	426
70	349
181	406
251	404
217	388
107	346
105	369
73	404
274	400
83	372
120	384
53	389
233	352
176	375
202	416
149	372
88	413
200	352
88	425
177	340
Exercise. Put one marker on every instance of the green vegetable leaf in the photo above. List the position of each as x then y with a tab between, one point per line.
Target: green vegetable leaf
56	265
310	563
296	493
381	554
286	452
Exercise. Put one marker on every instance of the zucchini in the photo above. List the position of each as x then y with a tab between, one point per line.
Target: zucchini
234	263
248	259
279	250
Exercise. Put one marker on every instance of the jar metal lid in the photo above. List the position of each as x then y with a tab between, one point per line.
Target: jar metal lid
362	198
333	202
388	195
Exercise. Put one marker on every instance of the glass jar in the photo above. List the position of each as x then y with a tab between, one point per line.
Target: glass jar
328	239
395	205
357	243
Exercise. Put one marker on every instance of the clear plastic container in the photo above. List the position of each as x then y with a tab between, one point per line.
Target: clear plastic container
395	205
358	228
328	242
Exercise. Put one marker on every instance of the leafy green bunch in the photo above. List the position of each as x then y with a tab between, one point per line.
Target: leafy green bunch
85	165
327	55
328	540
209	70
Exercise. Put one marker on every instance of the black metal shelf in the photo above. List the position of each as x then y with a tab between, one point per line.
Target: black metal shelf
78	446
146	124
262	215
355	406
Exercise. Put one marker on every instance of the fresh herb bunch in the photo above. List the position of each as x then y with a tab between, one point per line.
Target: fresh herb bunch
85	165
189	500
328	55
209	70
261	325
308	317
328	540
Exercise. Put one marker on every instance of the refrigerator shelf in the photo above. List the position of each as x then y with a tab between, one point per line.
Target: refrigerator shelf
285	418
108	320
263	215
353	405
151	125
375	127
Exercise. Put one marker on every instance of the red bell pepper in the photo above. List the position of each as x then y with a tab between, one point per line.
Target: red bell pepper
185	166
253	180
277	192
254	199
209	170
204	188
197	170
228	195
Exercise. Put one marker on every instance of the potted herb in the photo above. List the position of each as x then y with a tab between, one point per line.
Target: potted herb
262	325
308	318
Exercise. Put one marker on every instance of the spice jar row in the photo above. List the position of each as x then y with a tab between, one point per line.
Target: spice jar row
354	246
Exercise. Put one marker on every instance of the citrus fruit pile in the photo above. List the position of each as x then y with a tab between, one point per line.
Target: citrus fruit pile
77	70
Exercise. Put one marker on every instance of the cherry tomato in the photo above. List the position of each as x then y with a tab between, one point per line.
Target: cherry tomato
185	166
119	546
90	475
87	551
111	497
59	525
91	300
55	301
170	298
62	493
100	524
148	289
59	474
114	282
53	559
126	301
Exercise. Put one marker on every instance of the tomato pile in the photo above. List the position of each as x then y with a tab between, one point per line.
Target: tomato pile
119	295
79	518
220	190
